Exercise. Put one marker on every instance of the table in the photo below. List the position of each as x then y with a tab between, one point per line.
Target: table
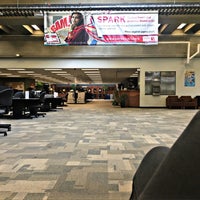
20	105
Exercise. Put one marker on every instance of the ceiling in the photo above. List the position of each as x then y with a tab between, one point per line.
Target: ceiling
72	75
17	21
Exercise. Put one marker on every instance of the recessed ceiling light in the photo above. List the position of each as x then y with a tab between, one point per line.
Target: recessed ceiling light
92	72
14	76
26	72
181	26
14	69
49	69
90	69
188	27
5	74
94	75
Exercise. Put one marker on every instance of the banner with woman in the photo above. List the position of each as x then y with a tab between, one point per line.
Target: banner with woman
97	28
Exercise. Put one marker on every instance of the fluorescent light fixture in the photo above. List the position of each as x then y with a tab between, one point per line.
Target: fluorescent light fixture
163	27
15	76
88	69
5	74
35	27
53	69
188	27
181	26
26	72
90	73
28	28
15	69
61	75
94	75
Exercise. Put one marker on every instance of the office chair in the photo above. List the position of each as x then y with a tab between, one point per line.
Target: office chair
6	96
19	94
40	105
171	173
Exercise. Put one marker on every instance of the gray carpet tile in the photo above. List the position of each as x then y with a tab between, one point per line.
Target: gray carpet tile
83	151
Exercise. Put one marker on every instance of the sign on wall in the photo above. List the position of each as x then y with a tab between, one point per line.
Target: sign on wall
189	78
101	28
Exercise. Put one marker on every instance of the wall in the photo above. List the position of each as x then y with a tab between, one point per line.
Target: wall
17	83
36	49
145	64
177	65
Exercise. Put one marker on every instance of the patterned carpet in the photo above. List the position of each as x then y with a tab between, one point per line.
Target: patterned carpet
82	151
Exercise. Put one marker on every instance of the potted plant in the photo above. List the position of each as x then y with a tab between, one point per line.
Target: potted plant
123	100
115	98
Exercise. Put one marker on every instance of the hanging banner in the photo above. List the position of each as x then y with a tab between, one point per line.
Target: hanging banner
105	28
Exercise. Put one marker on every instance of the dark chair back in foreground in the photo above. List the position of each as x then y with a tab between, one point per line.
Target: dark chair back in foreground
177	177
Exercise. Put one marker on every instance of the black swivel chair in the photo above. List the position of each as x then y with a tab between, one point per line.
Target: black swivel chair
36	109
42	100
171	173
6	96
19	94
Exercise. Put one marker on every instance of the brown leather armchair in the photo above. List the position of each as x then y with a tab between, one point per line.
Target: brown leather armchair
189	102
173	101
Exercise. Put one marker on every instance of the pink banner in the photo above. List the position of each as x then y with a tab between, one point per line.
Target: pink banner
92	28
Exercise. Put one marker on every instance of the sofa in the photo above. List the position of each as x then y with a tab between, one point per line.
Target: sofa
173	101
189	102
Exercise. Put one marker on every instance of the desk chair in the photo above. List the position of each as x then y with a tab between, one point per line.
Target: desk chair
5	104
3	127
19	95
171	173
40	105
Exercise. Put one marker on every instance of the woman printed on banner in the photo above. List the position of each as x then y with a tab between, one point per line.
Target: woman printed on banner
77	34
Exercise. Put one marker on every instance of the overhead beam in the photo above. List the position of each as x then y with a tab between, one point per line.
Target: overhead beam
162	8
16	20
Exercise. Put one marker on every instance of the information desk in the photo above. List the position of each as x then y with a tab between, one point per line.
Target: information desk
20	105
133	99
